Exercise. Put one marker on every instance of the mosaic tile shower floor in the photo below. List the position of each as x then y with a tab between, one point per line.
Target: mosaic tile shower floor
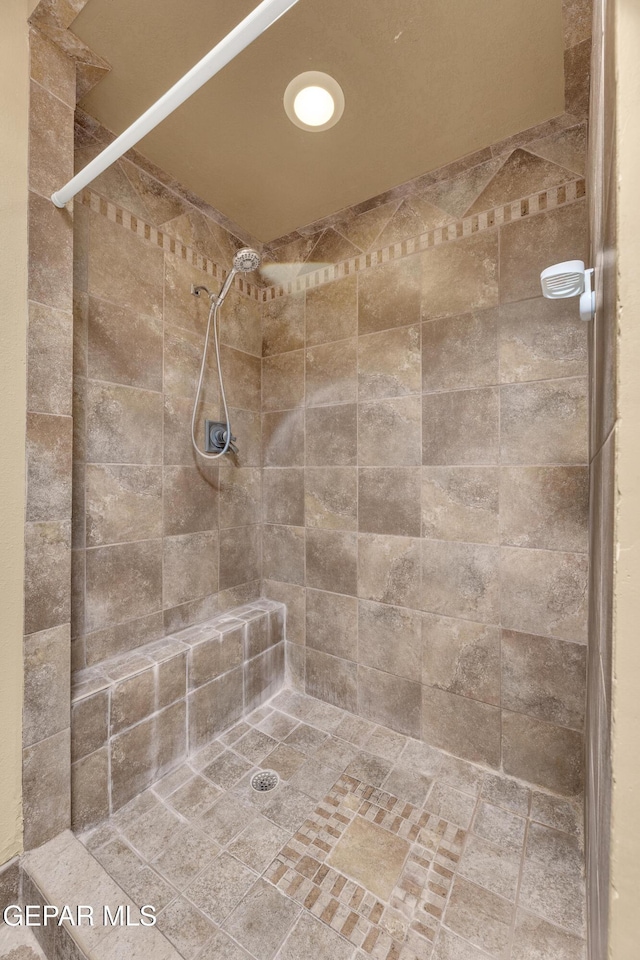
373	845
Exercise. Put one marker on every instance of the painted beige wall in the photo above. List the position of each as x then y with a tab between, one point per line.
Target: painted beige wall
625	848
14	104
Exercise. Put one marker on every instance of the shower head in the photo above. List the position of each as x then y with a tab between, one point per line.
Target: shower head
246	260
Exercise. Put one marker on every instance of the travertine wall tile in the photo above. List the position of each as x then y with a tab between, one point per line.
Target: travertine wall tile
332	679
331	373
389	363
283	491
332	624
461	461
389	296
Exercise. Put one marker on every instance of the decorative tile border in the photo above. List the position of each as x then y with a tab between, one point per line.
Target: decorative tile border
396	930
541	202
158	238
546	200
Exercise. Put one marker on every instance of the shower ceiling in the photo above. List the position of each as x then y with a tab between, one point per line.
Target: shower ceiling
425	82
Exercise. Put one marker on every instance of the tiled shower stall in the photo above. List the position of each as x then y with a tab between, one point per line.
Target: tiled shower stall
412	421
403	535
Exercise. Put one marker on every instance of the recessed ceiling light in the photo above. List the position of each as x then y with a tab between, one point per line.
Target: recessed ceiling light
314	101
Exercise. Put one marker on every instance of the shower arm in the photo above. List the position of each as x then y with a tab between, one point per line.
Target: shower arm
248	30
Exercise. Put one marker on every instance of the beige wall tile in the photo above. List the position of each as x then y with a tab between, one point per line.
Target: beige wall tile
332	311
263	677
332	624
577	61
52	68
331	679
390	700
331	373
257	635
576	17
49	461
214	707
567	147
242	378
461	503
133	763
460	276
123	503
283	382
461	657
545	507
46	684
138	265
182	357
544	678
460	352
247	427
461	427
240	555
50	254
240	496
389	570
46	789
390	639
123	582
49	360
461	580
467	728
544	592
283	492
124	346
331	436
389	296
190	499
542	753
295	659
283	550
189	567
389	363
521	175
544	422
389	500
293	596
181	309
528	246
90	790
89	724
120	637
132	700
389	432
47	575
541	340
331	560
215	656
194	611
241	323
283	439
331	497
124	424
283	325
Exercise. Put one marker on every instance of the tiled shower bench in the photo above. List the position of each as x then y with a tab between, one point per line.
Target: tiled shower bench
137	716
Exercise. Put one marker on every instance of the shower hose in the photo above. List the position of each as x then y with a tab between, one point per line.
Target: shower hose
216	303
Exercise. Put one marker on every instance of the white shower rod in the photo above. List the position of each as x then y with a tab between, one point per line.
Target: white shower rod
248	30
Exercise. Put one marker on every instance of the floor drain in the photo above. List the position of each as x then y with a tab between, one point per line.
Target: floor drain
265	780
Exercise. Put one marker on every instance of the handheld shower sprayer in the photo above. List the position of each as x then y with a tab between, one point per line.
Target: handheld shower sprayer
244	261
